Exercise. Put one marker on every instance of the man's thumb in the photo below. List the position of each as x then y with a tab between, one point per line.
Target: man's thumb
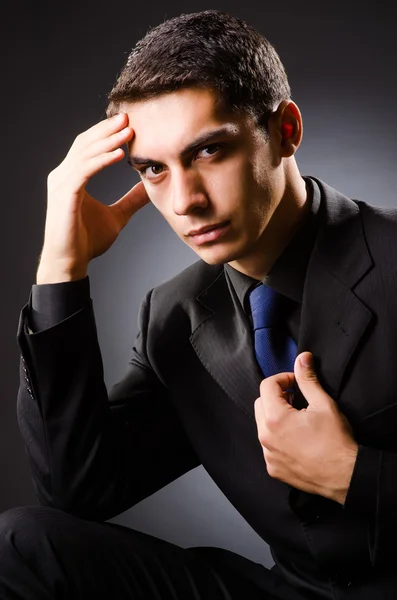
306	378
304	367
130	203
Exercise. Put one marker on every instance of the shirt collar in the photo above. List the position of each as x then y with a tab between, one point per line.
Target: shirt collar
287	275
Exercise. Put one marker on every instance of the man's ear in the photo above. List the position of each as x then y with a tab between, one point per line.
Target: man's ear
286	127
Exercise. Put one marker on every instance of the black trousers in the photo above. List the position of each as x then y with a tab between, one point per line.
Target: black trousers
48	554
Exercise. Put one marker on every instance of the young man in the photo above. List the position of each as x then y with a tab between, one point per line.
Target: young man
305	450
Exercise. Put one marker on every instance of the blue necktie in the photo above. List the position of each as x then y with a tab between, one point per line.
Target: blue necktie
274	348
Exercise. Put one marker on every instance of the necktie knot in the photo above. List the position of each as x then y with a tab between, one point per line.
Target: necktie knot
266	306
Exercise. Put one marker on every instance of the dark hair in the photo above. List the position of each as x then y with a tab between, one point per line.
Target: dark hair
208	49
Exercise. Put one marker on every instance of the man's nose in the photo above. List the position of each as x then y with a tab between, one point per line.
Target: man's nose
188	192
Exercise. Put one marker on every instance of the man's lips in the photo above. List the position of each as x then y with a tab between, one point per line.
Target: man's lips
194	232
209	233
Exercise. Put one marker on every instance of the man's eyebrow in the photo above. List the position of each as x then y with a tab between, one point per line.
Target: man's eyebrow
205	138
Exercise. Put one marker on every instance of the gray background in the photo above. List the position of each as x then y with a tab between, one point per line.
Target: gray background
59	60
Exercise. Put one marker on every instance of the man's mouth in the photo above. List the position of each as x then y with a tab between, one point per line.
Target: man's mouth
209	233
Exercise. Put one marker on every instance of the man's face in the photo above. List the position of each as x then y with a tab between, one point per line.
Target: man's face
210	173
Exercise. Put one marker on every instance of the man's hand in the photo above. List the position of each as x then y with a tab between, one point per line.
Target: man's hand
78	227
312	449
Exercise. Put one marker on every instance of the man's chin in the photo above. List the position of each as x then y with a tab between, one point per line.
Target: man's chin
213	256
213	261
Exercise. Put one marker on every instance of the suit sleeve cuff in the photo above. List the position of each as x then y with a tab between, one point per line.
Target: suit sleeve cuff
52	303
363	490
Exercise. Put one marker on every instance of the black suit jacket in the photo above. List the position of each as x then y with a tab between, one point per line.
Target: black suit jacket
179	406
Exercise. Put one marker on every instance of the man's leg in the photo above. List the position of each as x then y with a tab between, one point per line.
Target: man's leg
46	554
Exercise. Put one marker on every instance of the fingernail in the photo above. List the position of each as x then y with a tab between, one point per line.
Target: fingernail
306	359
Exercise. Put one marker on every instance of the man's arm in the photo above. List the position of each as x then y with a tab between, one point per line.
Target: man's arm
89	456
92	456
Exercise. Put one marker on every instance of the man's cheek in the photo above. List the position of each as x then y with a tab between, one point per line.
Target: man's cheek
154	196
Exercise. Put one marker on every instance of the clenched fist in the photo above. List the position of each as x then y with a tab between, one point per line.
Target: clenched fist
78	228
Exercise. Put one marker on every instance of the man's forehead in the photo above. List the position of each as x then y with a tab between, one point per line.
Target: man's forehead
144	153
177	119
172	123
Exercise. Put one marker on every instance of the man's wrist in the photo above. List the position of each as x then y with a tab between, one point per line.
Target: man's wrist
344	475
60	272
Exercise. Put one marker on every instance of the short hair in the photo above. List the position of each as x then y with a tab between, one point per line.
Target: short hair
211	50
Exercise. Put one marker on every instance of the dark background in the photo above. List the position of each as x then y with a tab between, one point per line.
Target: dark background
58	61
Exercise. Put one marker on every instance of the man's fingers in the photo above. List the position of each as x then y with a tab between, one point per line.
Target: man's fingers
93	150
271	407
92	166
102	130
108	143
102	138
276	385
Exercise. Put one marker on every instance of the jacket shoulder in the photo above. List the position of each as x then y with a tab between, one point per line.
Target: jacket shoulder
380	230
379	216
377	220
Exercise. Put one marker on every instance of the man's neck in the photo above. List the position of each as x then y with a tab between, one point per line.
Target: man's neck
282	227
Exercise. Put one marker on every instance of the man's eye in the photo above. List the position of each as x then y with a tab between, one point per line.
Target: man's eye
151	171
209	150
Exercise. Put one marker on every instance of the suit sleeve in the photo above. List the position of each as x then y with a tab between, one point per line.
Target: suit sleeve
373	494
90	454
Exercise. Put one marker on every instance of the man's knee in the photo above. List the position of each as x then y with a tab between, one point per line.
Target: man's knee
25	527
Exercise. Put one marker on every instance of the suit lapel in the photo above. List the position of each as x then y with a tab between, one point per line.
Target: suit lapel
222	339
333	319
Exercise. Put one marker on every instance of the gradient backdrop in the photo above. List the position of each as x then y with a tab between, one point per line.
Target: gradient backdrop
59	59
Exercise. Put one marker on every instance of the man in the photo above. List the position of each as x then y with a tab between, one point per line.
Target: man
308	457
